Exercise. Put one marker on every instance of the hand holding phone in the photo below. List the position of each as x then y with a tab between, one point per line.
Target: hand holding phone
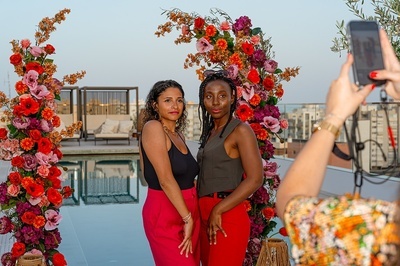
363	36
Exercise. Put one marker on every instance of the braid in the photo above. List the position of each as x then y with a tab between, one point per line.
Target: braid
205	118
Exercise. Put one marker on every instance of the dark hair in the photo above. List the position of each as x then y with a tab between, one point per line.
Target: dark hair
205	118
150	113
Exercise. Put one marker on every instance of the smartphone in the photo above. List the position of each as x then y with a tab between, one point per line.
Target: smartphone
365	45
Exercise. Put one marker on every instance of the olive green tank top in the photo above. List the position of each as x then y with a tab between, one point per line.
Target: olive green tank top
218	171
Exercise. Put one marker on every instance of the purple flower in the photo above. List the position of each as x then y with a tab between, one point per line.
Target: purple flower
46	125
30	162
258	58
34	123
260	196
29	234
7	259
5	225
243	23
22	207
4	199
270	65
203	46
257	226
233	71
52	239
267	150
254	246
248	260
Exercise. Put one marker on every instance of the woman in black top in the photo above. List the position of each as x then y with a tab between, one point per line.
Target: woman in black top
170	212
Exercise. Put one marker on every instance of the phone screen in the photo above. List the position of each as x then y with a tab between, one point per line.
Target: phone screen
366	49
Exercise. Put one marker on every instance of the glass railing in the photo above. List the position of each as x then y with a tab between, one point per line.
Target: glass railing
377	153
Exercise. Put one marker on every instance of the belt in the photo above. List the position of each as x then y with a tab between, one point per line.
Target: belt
219	195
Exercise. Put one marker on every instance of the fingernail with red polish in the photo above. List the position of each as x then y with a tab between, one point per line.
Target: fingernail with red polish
373	74
373	87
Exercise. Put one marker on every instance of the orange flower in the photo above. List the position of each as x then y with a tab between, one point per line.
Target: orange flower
39	221
20	87
247	205
47	113
211	31
222	44
26	181
234	59
262	134
27	144
279	91
255	100
35	134
268	84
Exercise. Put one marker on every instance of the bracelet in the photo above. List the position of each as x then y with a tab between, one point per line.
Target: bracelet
187	218
328	126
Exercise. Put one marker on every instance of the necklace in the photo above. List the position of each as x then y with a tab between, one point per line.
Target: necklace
166	129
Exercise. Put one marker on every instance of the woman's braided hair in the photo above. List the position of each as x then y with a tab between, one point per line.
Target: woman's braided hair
150	113
205	118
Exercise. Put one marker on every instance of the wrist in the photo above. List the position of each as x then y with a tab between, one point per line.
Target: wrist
327	125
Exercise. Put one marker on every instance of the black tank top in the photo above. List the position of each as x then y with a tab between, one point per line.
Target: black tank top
184	168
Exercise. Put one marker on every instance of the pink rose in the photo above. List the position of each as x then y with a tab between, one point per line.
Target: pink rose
255	39
53	219
43	171
225	26
36	51
30	79
13	190
185	30
271	123
270	66
203	46
284	124
25	43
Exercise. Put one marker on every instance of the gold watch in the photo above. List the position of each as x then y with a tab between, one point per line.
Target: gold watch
327	126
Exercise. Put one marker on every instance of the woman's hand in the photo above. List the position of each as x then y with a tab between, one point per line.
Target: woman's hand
215	226
186	245
392	68
344	97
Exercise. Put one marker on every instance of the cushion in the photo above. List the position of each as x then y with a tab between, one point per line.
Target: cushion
111	124
107	129
125	126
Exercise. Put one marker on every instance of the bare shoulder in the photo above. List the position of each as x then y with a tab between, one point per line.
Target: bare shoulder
152	129
244	129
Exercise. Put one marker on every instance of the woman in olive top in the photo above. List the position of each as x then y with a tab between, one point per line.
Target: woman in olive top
228	150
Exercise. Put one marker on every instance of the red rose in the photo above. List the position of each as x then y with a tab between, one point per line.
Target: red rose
67	192
3	133
16	59
199	23
15	178
54	196
34	66
268	213
17	161
49	49
54	172
268	84
58	153
59	260
253	76
283	231
18	249
35	134
45	145
248	48
28	217
35	190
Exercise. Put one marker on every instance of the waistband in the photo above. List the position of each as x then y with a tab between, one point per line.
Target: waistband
219	195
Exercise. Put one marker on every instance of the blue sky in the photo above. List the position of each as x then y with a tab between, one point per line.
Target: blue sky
114	41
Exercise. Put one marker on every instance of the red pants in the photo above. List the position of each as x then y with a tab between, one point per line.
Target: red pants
229	250
164	228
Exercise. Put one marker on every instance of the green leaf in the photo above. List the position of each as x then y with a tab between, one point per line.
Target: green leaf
256	31
278	71
272	100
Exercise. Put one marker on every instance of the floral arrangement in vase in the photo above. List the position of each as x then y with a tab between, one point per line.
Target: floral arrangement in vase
32	195
243	51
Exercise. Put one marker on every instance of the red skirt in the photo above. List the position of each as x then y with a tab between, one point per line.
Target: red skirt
163	227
